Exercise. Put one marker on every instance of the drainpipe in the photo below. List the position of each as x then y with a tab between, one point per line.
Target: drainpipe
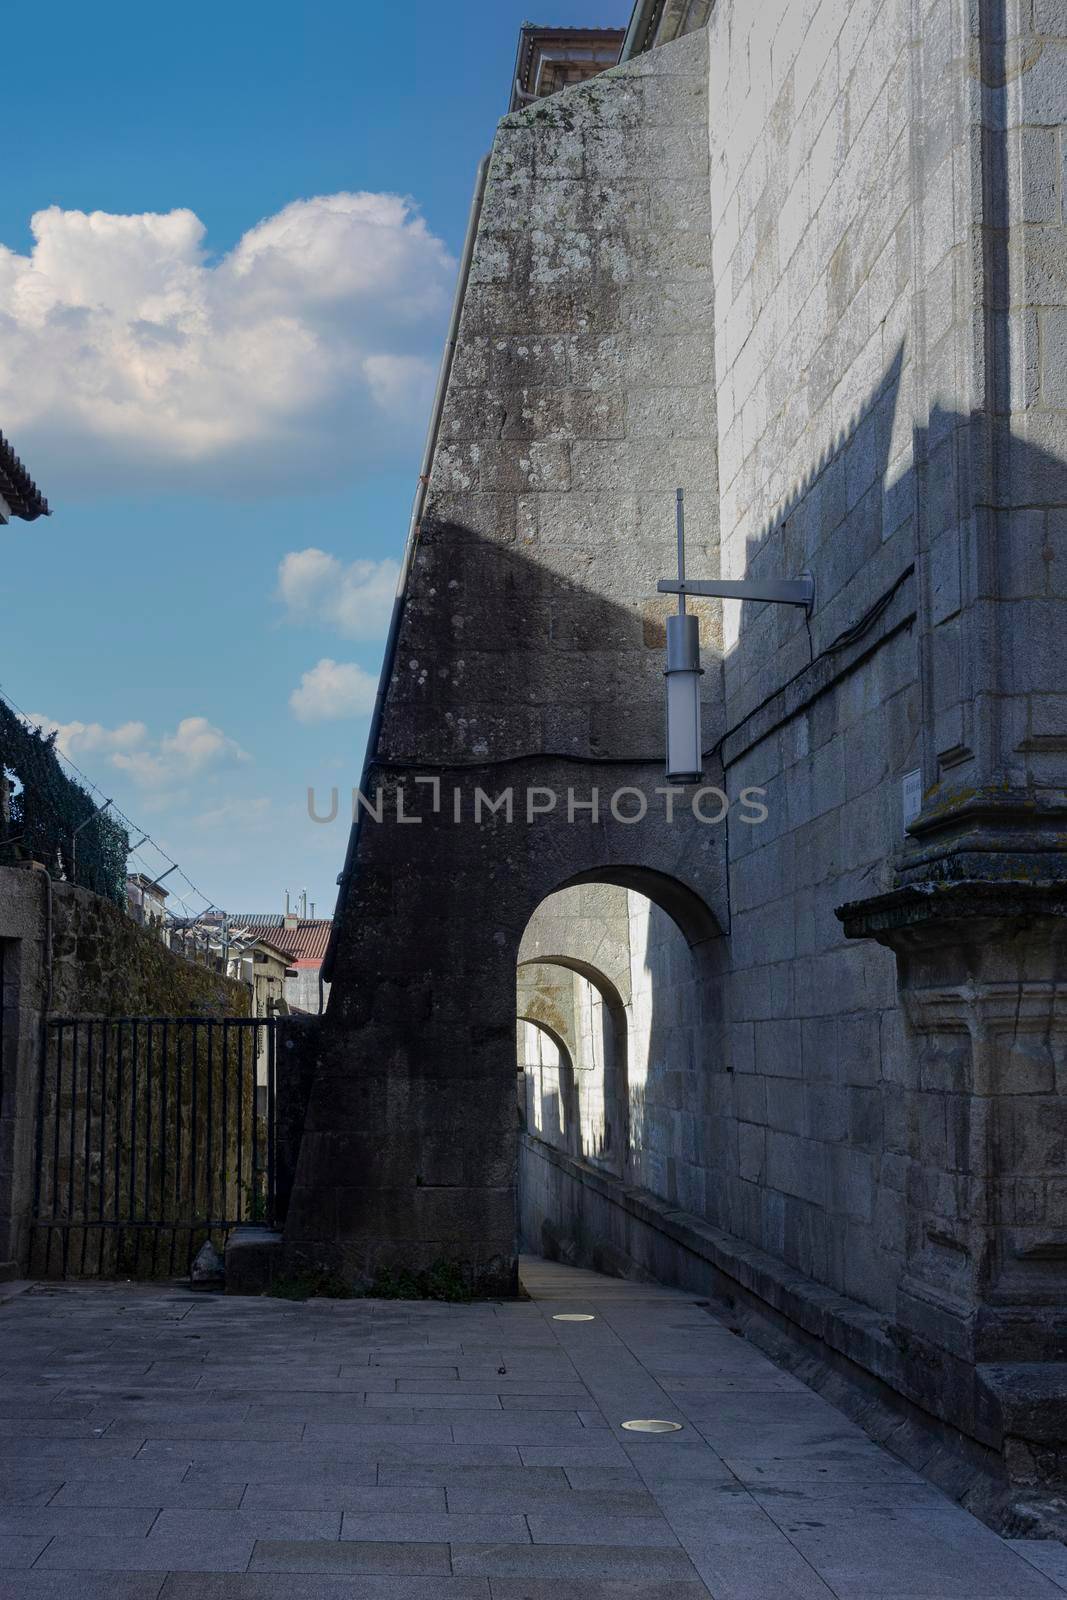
393	636
646	13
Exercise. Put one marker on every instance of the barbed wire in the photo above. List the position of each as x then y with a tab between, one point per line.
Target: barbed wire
134	828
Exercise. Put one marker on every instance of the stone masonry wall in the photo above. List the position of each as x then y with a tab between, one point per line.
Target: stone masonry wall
796	1143
816	199
806	263
530	655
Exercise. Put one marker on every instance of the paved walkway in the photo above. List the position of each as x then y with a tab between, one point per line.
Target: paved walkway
155	1442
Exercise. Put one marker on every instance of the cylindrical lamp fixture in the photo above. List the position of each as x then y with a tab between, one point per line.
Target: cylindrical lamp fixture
685	755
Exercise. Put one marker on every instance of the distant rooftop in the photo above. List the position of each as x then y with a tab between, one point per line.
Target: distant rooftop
552	58
19	495
304	941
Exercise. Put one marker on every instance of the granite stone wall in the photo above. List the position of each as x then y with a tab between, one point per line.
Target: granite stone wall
805	262
529	659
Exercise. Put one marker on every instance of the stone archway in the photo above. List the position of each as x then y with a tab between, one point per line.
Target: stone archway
548	1103
409	1155
572	997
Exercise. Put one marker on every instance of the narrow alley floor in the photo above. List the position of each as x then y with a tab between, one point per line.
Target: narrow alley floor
155	1442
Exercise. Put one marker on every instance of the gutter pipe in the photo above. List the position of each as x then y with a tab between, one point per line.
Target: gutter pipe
637	33
410	547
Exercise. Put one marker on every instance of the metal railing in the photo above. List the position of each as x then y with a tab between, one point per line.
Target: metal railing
153	1135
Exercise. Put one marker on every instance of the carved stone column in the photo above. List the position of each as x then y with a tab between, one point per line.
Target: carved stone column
983	986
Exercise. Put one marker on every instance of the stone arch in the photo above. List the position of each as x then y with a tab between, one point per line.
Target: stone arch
651	942
409	1150
558	1127
683	904
599	1053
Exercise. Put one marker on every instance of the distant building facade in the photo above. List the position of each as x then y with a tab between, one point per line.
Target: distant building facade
550	59
146	900
302	940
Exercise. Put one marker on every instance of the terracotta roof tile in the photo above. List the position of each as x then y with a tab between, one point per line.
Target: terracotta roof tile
306	942
18	488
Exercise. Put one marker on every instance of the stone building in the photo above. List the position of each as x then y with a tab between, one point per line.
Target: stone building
146	900
303	940
809	263
549	59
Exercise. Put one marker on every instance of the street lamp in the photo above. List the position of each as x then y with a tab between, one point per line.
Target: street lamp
685	756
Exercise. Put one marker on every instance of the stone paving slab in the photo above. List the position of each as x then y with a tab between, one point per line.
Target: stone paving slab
302	1586
571	1561
39	1585
126	1522
1047	1555
20	1550
583	1503
344	1497
599	1589
350	1556
161	1445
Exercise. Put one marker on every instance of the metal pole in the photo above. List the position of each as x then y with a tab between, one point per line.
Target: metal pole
272	1153
679	518
99	812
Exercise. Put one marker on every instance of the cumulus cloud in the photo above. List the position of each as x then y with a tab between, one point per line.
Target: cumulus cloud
356	599
194	747
308	350
76	739
332	690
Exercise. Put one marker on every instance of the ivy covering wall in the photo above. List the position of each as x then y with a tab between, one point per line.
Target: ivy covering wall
45	816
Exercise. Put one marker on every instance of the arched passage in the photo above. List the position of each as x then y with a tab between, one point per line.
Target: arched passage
598	1031
409	1154
546	1069
662	1089
692	915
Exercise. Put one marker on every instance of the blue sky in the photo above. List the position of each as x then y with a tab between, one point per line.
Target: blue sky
248	381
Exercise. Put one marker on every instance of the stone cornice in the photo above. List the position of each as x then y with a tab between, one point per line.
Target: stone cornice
932	902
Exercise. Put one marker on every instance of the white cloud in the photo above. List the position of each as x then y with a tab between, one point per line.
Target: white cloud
193	748
356	599
76	739
307	351
333	689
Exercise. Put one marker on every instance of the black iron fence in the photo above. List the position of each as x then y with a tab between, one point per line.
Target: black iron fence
154	1134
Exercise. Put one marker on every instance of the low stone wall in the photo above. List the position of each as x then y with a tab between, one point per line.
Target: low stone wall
105	964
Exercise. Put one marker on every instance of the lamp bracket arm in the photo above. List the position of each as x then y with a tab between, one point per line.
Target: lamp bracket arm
775	591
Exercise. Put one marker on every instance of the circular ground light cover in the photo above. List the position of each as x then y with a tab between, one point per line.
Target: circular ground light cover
572	1316
653	1425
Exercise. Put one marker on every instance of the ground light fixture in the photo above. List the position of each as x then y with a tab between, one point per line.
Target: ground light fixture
685	754
573	1316
652	1425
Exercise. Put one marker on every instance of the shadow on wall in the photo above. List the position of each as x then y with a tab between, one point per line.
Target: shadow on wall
761	1126
424	990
